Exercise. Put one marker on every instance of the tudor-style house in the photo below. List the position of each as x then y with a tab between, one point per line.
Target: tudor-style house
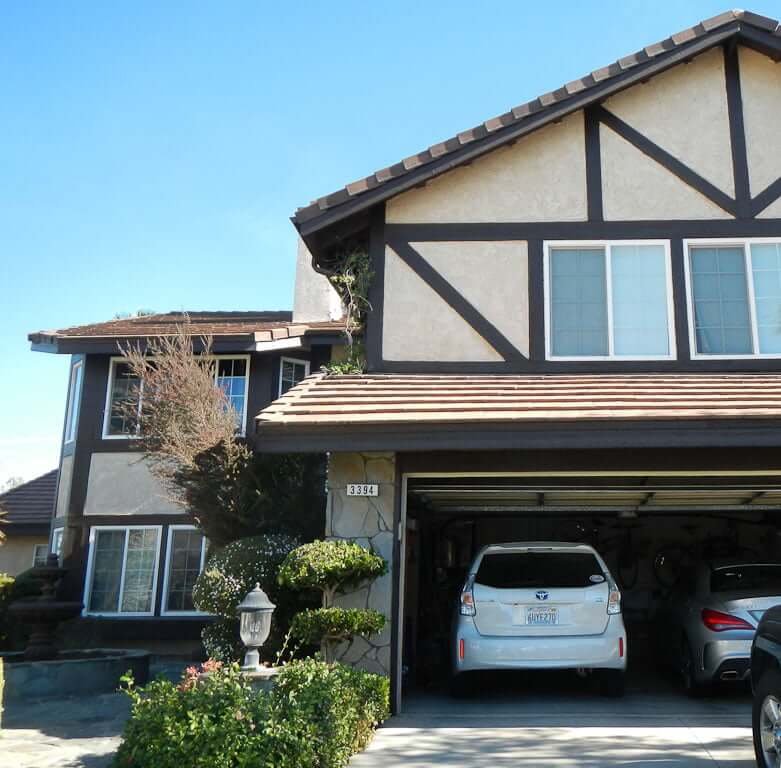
132	554
575	333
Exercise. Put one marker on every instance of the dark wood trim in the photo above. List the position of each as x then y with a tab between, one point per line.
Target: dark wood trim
396	632
666	160
737	131
593	165
766	197
680	302
556	111
582	435
537	318
583	230
374	319
456	300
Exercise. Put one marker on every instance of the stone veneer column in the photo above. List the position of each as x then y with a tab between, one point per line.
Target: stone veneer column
369	521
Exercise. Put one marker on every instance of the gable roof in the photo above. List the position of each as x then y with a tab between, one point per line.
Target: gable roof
759	32
30	506
240	327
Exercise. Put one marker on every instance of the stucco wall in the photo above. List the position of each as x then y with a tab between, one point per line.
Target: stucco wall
16	553
541	178
439	333
369	521
684	111
760	82
122	484
313	298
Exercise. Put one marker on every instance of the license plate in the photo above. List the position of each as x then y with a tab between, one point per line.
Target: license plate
542	617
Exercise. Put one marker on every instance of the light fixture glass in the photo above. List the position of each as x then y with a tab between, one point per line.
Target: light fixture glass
256	611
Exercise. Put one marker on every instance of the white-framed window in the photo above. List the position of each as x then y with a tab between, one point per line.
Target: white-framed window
40	553
74	400
608	300
124	392
56	547
291	371
733	289
122	570
185	559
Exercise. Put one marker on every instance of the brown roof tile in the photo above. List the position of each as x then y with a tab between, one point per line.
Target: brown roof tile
30	504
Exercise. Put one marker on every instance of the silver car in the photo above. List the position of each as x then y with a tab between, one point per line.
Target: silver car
714	613
540	605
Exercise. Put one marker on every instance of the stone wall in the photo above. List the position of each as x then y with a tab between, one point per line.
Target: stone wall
369	521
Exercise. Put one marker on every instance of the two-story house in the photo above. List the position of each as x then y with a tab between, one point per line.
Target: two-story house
575	333
132	554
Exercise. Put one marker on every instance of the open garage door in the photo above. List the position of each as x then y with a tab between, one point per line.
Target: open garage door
650	530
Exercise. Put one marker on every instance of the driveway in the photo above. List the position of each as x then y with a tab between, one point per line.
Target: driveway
651	727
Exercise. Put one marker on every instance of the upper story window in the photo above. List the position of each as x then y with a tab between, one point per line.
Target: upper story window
125	391
74	399
734	290
291	371
608	301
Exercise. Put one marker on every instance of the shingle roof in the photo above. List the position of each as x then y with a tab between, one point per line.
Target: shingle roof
30	505
264	326
383	399
467	145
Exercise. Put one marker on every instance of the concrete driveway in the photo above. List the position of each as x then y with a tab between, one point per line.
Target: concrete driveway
509	725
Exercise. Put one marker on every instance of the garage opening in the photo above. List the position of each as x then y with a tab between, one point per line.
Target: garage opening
651	530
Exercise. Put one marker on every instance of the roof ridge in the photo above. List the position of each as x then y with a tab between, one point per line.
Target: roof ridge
519	113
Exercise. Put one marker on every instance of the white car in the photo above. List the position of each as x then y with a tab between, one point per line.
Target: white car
540	605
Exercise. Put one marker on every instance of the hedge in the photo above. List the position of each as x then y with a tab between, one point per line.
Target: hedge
317	716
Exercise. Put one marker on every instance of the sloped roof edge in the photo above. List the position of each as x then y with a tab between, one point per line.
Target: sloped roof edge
755	30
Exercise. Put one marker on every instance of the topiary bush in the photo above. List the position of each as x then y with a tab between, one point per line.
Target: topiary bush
317	716
332	567
335	625
229	574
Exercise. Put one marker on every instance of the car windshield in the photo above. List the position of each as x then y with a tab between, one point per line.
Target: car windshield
515	570
747	578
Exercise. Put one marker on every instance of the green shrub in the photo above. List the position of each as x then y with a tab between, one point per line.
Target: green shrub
331	566
12	633
317	716
229	575
335	625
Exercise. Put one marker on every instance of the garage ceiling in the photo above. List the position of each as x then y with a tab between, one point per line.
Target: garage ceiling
632	495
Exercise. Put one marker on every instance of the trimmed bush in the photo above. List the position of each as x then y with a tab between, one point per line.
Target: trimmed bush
229	575
317	716
336	625
331	566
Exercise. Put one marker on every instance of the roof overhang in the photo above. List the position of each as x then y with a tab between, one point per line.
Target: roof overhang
519	412
334	216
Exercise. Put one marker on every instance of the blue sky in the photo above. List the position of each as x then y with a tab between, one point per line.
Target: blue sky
152	153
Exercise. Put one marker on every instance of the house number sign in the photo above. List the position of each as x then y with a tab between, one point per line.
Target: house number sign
363	489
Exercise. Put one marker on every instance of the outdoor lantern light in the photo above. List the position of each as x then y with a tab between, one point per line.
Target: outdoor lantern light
255	610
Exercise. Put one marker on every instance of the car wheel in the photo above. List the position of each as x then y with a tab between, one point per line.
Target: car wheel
613	683
691	686
766	720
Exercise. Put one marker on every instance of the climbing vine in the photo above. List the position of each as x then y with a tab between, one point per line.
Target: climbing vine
352	279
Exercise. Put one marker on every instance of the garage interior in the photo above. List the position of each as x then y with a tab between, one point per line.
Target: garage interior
646	527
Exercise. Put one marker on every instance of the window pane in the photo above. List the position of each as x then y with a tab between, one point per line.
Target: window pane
639	282
720	298
107	571
291	373
74	398
766	273
124	398
41	552
139	570
578	297
231	379
184	568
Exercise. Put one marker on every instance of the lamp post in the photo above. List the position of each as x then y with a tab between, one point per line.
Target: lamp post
255	610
